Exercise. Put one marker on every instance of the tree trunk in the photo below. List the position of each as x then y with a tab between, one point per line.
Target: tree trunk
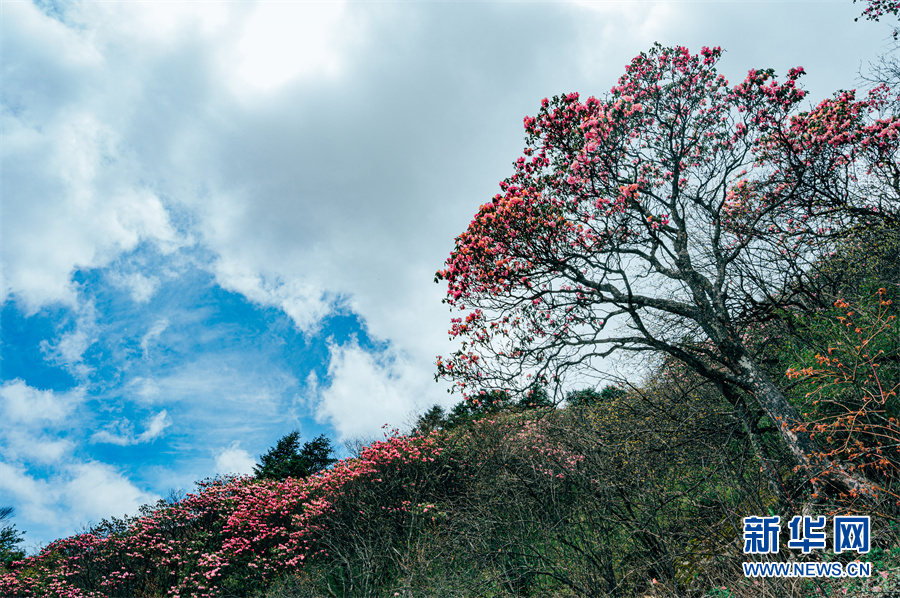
740	406
822	472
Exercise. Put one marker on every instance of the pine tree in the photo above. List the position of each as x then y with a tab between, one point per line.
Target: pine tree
287	459
9	538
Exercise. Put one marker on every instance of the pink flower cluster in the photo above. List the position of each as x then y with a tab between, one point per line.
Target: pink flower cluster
880	8
234	530
673	163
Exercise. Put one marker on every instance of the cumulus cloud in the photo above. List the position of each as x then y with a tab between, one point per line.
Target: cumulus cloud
368	390
74	211
305	301
23	445
46	450
233	460
32	496
27	406
73	495
94	490
43	473
71	184
31	422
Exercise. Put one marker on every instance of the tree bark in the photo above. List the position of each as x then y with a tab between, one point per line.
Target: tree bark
756	441
822	472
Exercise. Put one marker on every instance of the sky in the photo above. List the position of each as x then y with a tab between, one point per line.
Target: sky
221	220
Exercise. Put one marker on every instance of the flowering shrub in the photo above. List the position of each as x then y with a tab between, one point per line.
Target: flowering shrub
233	536
591	501
851	380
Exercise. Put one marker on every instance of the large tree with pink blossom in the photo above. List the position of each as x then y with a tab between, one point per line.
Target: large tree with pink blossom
668	217
877	9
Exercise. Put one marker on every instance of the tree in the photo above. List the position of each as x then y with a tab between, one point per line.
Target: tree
9	538
848	380
288	460
317	454
358	444
433	419
667	217
589	396
478	405
535	398
877	9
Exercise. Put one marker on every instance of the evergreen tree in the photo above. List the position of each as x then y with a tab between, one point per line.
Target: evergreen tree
534	397
589	396
287	459
433	419
9	538
316	454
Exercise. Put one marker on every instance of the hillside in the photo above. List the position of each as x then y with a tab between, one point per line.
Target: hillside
637	494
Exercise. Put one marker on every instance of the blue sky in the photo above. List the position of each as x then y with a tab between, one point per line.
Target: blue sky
221	220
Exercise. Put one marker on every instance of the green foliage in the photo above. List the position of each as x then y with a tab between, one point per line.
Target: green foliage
835	350
433	419
588	397
535	398
283	460
10	537
287	459
479	405
482	404
317	454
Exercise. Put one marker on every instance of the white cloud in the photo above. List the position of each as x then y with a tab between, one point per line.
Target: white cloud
70	347
225	381
369	390
304	301
73	495
140	286
35	436
121	433
153	334
33	496
156	24
145	389
282	41
21	444
96	490
155	426
234	460
76	210
73	194
61	54
28	406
